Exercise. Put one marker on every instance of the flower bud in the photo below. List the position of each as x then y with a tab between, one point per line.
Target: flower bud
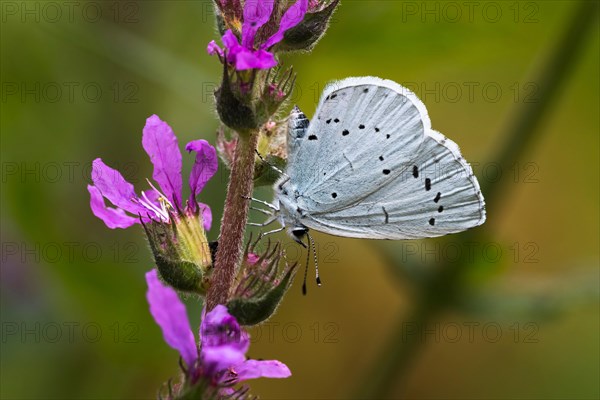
229	15
234	103
261	284
307	33
271	145
226	146
278	86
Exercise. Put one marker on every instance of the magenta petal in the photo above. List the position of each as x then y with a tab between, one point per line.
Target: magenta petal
252	369
204	167
112	217
160	143
115	188
246	58
216	359
260	59
221	329
256	14
213	48
170	314
232	45
206	216
230	40
292	17
252	258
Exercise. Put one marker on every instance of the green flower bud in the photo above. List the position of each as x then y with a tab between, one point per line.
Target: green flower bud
277	88
234	103
307	33
261	285
255	311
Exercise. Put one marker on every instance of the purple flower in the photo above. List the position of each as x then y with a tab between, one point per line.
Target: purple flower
250	53
160	143
221	359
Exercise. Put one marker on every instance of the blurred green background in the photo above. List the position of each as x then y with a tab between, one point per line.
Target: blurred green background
79	79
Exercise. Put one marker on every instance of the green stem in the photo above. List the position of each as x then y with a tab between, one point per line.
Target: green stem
233	224
439	293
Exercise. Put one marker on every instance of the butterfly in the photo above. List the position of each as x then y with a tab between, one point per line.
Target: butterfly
370	166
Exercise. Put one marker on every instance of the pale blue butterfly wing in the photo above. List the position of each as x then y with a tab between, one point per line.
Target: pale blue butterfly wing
370	166
339	144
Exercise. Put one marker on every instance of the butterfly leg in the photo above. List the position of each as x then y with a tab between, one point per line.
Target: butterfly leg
271	206
267	222
271	232
266	212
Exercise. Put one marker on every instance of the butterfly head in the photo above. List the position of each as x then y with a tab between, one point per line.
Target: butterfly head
298	232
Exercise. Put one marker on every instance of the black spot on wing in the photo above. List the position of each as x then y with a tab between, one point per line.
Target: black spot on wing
387	216
427	184
361	126
366	90
438	196
440	209
388	136
380	158
334	195
386	171
328	121
312	137
432	221
336	120
415	171
346	132
376	129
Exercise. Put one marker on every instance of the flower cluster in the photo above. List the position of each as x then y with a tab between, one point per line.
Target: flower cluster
176	232
220	360
252	53
239	288
253	32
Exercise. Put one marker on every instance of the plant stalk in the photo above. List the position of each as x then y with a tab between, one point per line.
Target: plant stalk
233	224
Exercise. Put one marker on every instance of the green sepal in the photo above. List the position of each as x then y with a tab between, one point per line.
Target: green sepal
181	275
252	312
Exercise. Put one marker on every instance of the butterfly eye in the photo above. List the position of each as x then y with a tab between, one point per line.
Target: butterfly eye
299	232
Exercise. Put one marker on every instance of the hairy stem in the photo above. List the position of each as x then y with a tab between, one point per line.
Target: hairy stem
234	220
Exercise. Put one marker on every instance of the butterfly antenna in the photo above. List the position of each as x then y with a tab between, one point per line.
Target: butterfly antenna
306	270
271	165
315	255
